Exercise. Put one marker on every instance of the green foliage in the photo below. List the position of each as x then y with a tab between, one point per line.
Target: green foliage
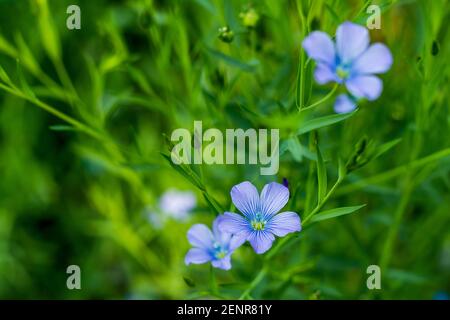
85	121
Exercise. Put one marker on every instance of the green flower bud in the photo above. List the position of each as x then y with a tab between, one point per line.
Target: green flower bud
249	18
225	34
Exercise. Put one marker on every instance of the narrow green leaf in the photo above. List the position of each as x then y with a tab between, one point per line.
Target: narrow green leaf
385	147
23	82
333	13
325	121
61	127
248	67
342	170
321	176
4	76
308	82
333	213
190	283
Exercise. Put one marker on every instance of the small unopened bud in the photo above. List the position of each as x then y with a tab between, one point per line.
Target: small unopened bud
226	35
363	152
249	18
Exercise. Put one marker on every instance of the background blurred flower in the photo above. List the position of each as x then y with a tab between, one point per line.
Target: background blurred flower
177	204
208	246
351	61
261	221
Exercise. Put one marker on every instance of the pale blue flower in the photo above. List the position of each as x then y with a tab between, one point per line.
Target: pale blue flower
261	221
349	61
215	247
177	204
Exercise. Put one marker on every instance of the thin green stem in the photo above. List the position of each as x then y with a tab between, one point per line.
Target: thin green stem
395	172
328	96
80	126
325	199
254	283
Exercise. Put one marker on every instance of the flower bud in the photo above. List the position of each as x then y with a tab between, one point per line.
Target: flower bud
225	34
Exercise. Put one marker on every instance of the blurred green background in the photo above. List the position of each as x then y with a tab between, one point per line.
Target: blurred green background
83	115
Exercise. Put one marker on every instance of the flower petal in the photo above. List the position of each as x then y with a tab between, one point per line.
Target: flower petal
200	236
224	263
284	223
369	87
344	104
351	41
274	197
245	197
376	59
324	74
261	241
222	237
319	46
197	256
232	223
238	239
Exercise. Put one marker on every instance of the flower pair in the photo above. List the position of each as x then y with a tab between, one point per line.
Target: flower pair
349	61
259	225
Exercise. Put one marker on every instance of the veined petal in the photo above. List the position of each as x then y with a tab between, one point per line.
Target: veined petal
245	197
224	263
274	197
232	223
222	237
351	41
200	236
344	104
369	87
261	241
376	59
197	256
283	223
238	239
319	46
324	74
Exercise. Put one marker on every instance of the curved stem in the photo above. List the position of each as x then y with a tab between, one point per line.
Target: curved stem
328	96
254	283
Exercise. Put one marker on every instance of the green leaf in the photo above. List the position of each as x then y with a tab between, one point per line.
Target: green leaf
23	82
333	213
308	82
61	127
248	67
321	122
295	149
190	283
342	170
4	76
333	13
385	147
321	176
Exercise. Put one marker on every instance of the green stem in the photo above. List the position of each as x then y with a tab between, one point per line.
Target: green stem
395	172
80	126
325	199
254	283
328	96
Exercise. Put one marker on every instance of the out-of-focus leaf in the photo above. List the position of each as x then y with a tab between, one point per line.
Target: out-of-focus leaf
321	176
48	32
244	66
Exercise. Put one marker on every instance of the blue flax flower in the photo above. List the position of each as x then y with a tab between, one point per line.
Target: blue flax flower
349	61
261	221
208	246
